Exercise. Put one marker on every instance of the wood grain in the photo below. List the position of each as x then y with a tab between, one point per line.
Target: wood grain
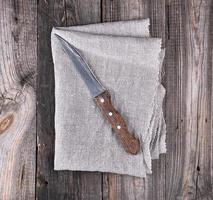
156	183
188	100
17	99
198	101
176	73
59	184
185	172
117	186
5	123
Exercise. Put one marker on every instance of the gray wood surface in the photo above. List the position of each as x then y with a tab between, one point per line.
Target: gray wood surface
27	101
59	184
18	62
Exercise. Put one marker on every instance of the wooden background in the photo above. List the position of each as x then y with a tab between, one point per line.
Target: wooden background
27	101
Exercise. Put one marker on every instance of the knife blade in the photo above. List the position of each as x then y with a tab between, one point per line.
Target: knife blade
102	98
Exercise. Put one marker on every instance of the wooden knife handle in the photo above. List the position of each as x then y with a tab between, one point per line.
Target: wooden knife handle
129	142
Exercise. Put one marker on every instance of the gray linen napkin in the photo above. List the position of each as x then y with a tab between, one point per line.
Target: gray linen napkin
128	62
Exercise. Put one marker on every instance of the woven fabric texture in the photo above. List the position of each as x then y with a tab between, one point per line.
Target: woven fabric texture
128	63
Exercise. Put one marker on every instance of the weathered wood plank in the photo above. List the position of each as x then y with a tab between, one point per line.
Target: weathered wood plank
120	10
199	100
59	184
187	31
176	77
156	183
18	59
124	10
188	102
120	186
179	151
82	12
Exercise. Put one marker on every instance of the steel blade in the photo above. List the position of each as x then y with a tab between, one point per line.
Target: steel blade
94	86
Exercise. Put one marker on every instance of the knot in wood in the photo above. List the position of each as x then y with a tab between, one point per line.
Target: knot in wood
5	123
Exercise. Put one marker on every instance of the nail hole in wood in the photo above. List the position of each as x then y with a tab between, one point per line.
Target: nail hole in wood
5	123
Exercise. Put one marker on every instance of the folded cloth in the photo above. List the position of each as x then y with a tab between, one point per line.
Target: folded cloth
128	63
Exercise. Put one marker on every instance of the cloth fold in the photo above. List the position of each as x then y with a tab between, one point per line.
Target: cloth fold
128	63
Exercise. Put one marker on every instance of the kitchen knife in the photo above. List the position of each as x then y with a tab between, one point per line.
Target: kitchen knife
102	98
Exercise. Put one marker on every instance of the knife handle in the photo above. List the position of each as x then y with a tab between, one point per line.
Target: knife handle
129	142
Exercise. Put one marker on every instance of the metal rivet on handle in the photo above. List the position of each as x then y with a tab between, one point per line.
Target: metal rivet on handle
110	113
102	100
118	127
